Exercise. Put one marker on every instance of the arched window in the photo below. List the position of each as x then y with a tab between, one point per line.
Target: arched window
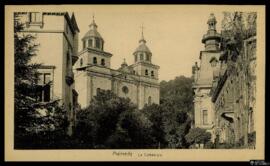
90	43
103	62
152	73
213	62
97	43
141	56
146	72
125	89
147	57
205	116
149	100
81	62
136	58
102	45
95	60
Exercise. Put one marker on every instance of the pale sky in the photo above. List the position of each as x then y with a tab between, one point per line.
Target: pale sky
173	33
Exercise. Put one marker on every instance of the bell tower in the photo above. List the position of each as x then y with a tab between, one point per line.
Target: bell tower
143	65
204	78
211	39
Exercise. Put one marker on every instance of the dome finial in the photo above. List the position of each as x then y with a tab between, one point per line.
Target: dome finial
142	39
93	24
142	31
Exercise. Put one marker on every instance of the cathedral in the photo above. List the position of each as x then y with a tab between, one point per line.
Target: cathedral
93	73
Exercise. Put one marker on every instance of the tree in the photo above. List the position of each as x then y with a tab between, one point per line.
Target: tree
113	122
139	129
177	93
177	125
236	28
155	114
198	136
36	124
176	98
25	78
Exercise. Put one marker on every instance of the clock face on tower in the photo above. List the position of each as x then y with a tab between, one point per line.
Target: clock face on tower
125	89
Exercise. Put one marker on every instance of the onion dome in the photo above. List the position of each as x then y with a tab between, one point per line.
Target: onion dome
142	52
142	47
93	31
93	39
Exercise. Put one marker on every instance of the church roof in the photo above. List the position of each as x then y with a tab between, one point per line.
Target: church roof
92	31
142	48
74	22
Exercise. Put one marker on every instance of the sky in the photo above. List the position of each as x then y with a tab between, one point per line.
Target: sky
173	33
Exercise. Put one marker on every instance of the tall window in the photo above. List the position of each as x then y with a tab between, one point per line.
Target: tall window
35	17
103	62
205	116
44	92
97	43
147	57
136	58
149	100
141	56
152	73
146	72
95	60
90	43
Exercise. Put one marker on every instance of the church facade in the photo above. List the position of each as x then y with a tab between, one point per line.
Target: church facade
93	72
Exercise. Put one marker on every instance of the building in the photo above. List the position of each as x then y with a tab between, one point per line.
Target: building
234	95
204	76
93	72
57	36
225	85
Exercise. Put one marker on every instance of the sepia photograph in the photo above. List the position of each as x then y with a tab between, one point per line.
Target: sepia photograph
167	81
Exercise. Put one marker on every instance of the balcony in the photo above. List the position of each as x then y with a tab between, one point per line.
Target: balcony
210	36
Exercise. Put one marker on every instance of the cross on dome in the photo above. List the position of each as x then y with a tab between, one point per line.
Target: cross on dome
142	39
93	24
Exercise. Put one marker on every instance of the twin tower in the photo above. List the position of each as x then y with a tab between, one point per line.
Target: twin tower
93	72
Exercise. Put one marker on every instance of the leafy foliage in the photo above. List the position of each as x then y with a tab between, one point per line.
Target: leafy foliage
36	124
198	135
113	122
177	93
